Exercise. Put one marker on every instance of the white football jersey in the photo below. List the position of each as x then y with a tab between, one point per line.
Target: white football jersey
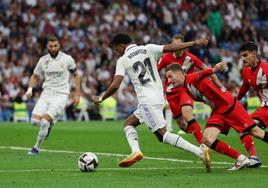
56	72
140	63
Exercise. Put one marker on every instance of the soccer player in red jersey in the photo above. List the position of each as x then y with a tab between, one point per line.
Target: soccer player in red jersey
180	103
227	110
255	75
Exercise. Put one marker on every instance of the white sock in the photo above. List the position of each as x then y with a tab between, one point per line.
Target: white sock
179	142
241	157
132	138
43	130
168	116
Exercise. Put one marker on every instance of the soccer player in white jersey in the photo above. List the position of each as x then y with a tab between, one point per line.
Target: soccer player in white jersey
54	69
140	63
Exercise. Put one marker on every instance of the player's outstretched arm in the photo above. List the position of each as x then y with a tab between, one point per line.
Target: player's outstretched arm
33	80
174	47
219	67
111	89
77	88
215	79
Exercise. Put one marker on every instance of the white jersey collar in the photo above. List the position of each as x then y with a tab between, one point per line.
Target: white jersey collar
130	46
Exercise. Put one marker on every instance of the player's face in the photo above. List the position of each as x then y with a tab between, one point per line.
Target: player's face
248	58
53	48
119	49
175	78
178	53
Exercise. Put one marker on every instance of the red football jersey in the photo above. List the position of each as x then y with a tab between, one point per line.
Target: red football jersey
203	89
189	63
257	79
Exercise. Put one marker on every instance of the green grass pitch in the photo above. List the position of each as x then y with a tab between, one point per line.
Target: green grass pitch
163	166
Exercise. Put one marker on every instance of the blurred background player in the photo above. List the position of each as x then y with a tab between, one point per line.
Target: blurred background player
180	103
54	68
227	110
140	63
255	75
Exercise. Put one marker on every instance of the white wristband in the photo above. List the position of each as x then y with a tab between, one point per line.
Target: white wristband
29	90
100	99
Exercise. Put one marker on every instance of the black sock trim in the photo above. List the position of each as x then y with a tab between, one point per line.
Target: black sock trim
243	135
177	141
265	138
191	122
214	144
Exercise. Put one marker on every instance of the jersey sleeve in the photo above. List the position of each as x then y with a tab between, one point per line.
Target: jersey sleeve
120	68
162	63
71	64
244	87
156	50
197	62
196	76
38	69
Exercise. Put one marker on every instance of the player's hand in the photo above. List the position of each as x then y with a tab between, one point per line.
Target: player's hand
76	100
201	42
29	93
97	99
219	67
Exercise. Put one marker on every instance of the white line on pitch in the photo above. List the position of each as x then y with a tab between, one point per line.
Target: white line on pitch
99	169
112	154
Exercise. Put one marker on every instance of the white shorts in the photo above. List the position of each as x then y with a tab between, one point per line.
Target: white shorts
151	115
52	104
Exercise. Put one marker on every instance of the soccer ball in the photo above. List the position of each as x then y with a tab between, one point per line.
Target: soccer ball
88	162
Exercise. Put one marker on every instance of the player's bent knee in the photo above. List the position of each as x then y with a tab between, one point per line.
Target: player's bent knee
256	132
35	122
44	123
44	126
208	140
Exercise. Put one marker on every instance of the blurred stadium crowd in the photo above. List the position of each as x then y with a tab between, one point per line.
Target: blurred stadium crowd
86	27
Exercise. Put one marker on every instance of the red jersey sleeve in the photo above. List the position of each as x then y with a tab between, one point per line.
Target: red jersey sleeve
244	87
197	62
196	76
162	63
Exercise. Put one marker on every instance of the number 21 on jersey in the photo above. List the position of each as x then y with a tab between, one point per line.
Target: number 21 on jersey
140	67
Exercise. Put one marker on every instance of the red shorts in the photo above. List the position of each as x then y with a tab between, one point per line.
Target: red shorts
177	100
238	118
261	114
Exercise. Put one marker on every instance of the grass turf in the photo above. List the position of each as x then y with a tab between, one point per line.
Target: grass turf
52	168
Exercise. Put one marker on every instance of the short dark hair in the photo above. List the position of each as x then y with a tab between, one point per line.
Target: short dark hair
174	67
121	38
178	36
248	46
52	39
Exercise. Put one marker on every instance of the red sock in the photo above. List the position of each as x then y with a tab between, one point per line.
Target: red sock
224	148
248	143
194	127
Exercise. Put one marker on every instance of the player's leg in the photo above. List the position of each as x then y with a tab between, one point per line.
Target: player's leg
168	117
132	137
37	115
258	133
55	105
260	116
45	123
154	119
192	125
210	139
249	145
176	140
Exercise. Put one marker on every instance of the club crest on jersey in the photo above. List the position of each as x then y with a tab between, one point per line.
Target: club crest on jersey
261	78
46	63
